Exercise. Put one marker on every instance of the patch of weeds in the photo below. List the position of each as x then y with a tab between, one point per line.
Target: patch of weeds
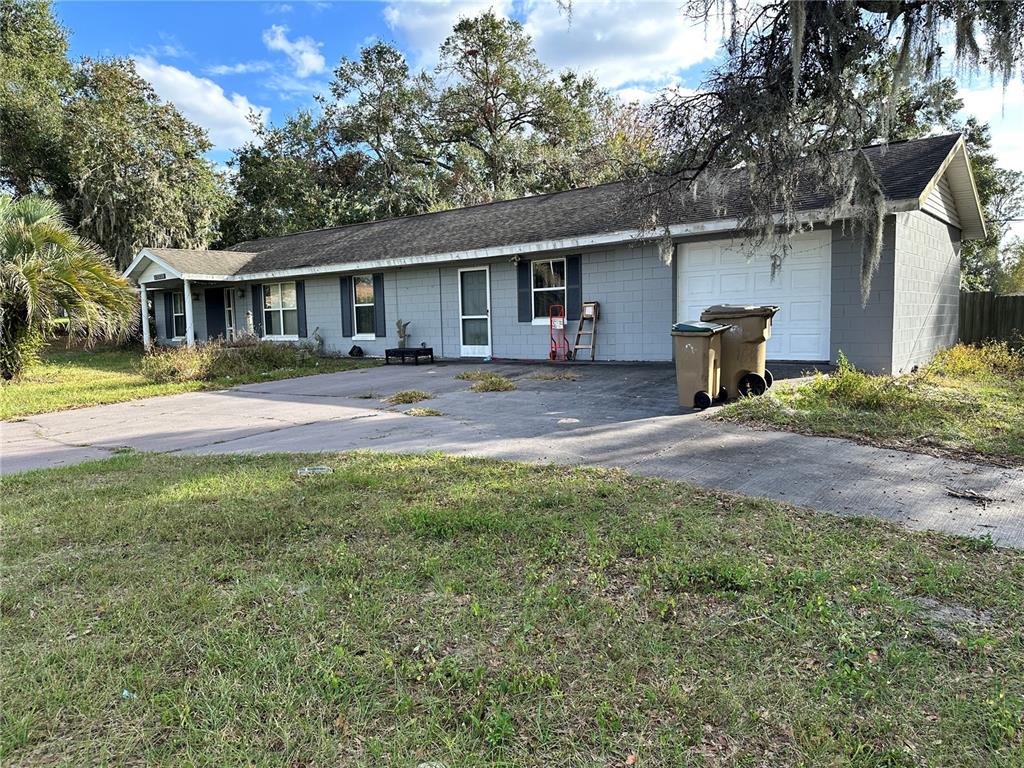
493	725
494	383
556	376
409	396
424	412
981	544
715	575
367	396
1005	718
477	375
969	400
442	522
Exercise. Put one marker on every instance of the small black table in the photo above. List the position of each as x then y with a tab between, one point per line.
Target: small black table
404	353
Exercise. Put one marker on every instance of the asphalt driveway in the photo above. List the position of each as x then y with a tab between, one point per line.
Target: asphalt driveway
611	415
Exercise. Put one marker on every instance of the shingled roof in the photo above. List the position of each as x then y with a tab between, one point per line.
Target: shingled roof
905	169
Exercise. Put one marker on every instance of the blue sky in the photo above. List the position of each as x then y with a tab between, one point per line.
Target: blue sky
219	61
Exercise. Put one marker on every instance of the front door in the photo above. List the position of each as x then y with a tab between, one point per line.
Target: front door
215	325
475	312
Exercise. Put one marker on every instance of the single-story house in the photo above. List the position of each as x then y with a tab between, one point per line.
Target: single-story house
478	281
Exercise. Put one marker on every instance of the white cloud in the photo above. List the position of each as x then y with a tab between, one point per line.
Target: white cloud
225	118
303	52
169	47
641	45
288	87
638	94
1004	112
242	68
645	94
422	25
621	43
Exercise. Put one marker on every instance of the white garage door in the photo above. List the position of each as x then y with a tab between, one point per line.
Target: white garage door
726	273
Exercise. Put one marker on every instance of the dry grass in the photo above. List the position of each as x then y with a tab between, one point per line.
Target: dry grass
73	378
968	401
424	412
408	396
477	375
556	376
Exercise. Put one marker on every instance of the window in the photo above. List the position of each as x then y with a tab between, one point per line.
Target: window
229	313
178	313
548	286
280	311
362	303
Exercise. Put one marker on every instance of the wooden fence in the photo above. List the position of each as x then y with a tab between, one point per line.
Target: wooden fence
985	315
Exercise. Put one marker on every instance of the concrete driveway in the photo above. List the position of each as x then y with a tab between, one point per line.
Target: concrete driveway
613	415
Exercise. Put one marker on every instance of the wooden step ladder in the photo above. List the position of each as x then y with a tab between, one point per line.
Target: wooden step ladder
586	328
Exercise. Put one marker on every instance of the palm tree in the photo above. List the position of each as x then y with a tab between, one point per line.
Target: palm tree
46	272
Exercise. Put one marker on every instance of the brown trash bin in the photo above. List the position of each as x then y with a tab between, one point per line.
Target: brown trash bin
697	349
744	346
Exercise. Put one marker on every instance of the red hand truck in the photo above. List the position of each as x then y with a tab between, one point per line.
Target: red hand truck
556	322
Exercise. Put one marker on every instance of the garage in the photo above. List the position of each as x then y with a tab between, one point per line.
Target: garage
725	272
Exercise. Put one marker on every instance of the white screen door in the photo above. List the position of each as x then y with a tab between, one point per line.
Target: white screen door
475	312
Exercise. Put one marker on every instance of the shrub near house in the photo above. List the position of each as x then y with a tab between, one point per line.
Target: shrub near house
218	360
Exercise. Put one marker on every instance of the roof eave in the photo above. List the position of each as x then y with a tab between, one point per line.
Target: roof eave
621	237
965	191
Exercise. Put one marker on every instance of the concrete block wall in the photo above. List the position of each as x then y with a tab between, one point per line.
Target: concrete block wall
927	289
417	301
632	285
863	332
634	288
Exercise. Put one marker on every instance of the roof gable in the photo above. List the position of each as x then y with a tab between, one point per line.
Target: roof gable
952	185
188	262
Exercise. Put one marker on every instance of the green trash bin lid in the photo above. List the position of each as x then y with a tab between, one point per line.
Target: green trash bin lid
729	311
698	328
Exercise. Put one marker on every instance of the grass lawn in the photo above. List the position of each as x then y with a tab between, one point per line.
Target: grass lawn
72	378
405	610
968	403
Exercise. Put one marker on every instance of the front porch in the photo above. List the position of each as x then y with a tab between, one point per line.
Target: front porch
178	311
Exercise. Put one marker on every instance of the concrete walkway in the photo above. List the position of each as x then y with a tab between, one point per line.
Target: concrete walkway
613	416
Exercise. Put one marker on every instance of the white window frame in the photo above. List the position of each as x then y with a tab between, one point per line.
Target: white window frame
534	290
356	335
229	313
175	314
280	310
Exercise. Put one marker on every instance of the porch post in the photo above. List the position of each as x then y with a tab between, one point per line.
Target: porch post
144	302
190	329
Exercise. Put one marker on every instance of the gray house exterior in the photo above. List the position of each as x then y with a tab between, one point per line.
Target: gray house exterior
477	282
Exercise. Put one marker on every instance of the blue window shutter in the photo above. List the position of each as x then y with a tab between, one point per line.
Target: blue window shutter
300	304
379	323
168	315
573	287
257	310
524	289
346	307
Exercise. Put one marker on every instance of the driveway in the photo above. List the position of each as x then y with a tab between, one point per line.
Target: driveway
612	416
